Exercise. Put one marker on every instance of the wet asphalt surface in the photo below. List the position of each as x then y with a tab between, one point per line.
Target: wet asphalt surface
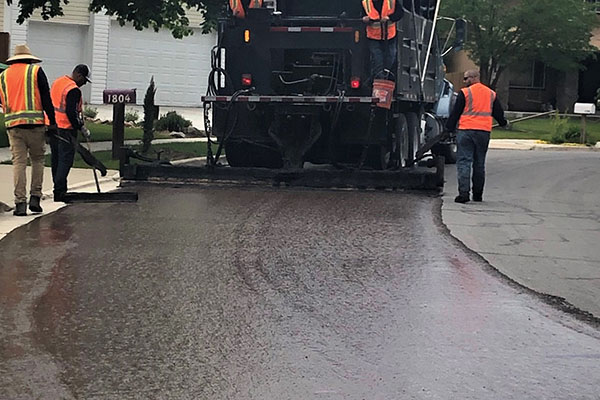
232	293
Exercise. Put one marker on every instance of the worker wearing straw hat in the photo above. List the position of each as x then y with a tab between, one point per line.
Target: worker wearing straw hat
25	96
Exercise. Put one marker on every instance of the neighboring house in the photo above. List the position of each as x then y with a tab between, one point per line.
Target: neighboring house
119	57
536	87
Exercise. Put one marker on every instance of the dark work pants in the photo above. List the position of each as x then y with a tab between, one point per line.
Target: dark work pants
383	56
63	154
472	147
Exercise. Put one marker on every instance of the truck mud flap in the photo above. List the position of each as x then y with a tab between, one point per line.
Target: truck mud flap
407	178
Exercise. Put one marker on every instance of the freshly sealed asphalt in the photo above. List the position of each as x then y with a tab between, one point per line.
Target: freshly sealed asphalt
233	293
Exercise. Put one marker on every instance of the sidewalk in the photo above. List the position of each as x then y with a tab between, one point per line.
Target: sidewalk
80	180
105	146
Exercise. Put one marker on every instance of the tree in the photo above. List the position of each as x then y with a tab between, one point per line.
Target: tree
502	33
155	14
149	116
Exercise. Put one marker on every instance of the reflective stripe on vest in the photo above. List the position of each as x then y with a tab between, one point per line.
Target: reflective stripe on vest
374	29
20	96
479	103
60	89
238	9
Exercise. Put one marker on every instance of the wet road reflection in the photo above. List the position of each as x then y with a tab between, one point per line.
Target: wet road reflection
229	293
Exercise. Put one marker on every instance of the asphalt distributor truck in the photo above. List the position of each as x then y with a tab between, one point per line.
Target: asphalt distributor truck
291	89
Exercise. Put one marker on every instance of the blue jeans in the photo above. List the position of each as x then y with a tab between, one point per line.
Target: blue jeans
383	56
63	154
472	147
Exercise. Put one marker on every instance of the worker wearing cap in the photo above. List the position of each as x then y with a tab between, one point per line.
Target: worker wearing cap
474	109
239	9
68	103
25	96
381	17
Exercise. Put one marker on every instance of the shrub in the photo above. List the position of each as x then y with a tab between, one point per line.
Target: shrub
149	116
90	112
560	126
172	122
132	116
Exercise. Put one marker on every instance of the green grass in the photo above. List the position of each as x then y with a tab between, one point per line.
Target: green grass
541	129
170	151
100	133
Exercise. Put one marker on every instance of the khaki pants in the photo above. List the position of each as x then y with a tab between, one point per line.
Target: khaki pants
27	142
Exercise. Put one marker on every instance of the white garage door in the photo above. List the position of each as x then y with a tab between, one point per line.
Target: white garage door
180	66
60	46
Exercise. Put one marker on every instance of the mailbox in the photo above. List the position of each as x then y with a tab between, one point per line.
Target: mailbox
126	96
585	108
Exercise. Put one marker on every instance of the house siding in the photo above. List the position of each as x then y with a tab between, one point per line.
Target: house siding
76	12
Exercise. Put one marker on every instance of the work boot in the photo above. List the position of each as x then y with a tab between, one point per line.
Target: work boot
59	197
34	204
462	198
20	209
477	197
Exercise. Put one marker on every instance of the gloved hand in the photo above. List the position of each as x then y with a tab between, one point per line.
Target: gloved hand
507	126
51	130
86	133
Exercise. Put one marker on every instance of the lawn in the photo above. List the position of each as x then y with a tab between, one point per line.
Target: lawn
169	151
541	129
100	133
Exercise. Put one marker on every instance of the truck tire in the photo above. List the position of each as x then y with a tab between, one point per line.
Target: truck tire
414	134
402	148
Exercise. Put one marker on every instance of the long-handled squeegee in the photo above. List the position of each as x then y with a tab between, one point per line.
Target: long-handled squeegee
98	197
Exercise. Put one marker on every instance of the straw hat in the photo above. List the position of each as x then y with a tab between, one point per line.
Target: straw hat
22	53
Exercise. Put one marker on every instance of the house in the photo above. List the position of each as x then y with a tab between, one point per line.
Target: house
119	57
536	87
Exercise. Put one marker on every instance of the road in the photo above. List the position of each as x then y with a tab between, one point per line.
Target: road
539	223
232	293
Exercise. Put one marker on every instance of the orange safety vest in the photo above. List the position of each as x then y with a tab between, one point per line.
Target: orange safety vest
238	9
20	94
479	103
60	88
375	29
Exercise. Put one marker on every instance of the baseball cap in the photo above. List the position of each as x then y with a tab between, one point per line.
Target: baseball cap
83	70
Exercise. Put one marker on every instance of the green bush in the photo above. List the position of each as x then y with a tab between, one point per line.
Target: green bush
132	116
172	122
90	112
560	127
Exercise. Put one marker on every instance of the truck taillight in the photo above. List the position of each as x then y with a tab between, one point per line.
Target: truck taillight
355	82
246	80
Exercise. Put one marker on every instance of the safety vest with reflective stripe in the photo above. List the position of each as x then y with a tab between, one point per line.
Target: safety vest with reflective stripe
21	99
375	30
60	88
479	103
238	9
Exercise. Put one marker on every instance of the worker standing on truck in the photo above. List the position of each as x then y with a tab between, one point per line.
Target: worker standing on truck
68	103
381	17
25	96
474	109
239	7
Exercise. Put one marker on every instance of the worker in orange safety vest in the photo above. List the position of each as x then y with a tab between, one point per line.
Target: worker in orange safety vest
239	9
381	17
25	96
68	101
474	109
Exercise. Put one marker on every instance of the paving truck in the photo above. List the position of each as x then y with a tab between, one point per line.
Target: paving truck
291	88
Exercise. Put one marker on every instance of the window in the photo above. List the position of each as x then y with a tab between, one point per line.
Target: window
530	75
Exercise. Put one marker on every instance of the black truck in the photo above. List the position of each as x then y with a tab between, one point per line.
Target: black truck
291	83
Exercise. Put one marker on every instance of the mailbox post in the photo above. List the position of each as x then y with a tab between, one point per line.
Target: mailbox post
584	109
118	98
